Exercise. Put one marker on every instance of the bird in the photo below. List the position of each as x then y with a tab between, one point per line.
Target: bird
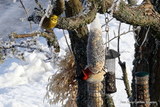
49	23
91	77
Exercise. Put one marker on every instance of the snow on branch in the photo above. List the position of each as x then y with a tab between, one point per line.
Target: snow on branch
16	48
51	38
13	48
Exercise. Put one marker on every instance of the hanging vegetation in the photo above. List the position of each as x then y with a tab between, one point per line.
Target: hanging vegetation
62	86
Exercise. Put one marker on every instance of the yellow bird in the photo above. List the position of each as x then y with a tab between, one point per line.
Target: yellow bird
51	22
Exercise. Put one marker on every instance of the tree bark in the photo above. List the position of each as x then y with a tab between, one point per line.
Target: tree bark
142	15
154	63
79	38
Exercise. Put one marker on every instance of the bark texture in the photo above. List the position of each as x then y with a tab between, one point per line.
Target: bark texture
79	38
142	15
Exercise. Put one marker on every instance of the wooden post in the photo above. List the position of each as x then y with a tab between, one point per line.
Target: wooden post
142	89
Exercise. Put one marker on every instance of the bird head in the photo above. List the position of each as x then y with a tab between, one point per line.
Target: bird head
86	73
51	22
54	19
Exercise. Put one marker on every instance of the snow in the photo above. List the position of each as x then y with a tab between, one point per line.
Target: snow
14	1
23	83
96	23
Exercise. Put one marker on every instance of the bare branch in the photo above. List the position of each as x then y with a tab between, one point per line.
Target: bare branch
50	36
120	35
43	34
39	5
107	21
123	67
118	42
26	12
78	21
67	42
24	7
143	15
146	35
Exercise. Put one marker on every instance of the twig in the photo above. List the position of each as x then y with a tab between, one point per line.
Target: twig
67	42
26	47
24	7
26	13
51	38
106	22
146	35
119	31
39	5
144	40
119	78
123	67
43	34
120	35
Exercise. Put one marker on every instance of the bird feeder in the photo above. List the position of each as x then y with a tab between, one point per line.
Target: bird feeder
95	95
94	73
110	85
142	89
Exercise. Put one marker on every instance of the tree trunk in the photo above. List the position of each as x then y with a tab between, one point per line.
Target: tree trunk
151	53
155	62
79	38
79	50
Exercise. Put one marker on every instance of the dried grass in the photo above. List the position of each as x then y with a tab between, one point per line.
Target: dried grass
62	87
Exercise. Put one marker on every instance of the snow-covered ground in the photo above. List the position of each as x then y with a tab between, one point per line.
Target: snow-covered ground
23	83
